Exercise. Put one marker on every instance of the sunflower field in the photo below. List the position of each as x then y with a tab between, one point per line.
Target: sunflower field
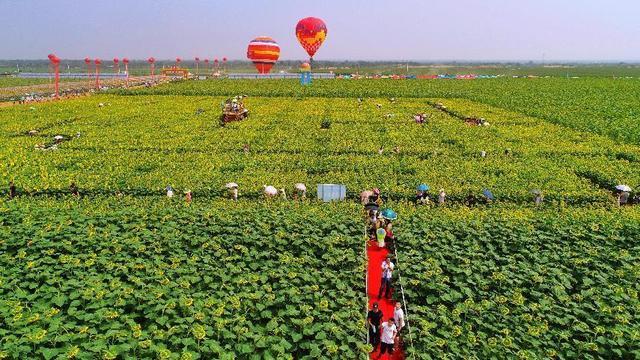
132	279
122	271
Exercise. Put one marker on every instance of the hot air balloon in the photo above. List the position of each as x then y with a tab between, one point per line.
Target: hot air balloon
264	52
311	33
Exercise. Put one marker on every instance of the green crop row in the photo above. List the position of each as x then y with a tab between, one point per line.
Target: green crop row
601	105
139	145
145	279
514	283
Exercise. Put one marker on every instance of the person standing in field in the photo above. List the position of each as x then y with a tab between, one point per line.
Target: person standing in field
188	197
374	318
538	199
12	190
74	190
372	222
623	198
388	332
422	197
389	238
375	197
385	283
441	197
398	316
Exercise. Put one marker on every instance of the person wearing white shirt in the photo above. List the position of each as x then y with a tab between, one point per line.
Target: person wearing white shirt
398	316
441	197
385	283
388	337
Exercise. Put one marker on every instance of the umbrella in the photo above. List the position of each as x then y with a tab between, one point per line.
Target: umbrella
623	188
58	137
231	185
389	214
270	190
536	191
301	187
488	194
423	187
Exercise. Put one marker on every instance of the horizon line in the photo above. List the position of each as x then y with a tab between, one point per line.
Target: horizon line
399	61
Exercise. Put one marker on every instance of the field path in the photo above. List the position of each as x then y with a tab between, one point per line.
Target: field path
375	256
81	87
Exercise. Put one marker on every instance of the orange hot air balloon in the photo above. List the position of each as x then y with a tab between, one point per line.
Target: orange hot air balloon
264	52
311	33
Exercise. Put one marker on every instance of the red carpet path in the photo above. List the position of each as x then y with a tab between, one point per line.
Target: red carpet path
375	256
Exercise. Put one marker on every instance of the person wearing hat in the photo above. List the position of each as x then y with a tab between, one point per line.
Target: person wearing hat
623	193
442	197
232	189
385	280
374	318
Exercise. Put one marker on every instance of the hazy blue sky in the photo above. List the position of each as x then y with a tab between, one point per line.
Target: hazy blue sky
358	29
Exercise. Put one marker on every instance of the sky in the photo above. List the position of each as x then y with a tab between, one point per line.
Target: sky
463	30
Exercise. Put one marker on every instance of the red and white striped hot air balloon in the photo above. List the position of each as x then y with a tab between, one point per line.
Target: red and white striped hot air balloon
264	52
